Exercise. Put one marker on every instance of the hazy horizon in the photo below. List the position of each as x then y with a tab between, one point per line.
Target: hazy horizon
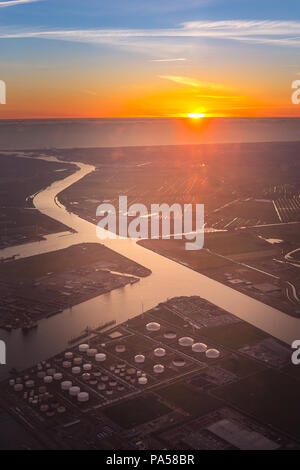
121	132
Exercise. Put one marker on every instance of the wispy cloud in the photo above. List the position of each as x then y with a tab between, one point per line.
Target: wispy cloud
193	82
178	59
221	97
281	33
11	3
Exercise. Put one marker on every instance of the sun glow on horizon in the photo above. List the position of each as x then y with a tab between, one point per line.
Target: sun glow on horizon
196	115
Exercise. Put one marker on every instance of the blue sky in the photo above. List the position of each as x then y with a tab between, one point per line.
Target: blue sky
142	13
140	48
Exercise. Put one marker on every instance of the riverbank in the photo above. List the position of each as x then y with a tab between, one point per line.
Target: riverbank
147	378
20	180
168	278
254	273
41	286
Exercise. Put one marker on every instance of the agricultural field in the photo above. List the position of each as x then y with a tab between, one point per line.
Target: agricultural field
256	395
19	221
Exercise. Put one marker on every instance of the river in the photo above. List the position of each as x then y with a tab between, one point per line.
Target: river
168	279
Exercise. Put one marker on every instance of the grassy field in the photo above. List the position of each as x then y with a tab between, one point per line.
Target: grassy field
289	233
226	243
262	210
241	366
270	396
74	257
136	411
175	249
189	399
234	336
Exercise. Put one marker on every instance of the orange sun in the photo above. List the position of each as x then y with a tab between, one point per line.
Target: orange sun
196	115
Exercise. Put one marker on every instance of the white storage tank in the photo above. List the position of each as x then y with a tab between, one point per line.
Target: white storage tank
76	370
86	376
87	367
143	380
83	347
18	387
199	347
179	362
66	385
48	379
91	352
185	341
58	376
100	357
212	353
159	352
83	397
77	361
73	391
158	368
68	355
29	383
153	326
170	335
139	358
120	348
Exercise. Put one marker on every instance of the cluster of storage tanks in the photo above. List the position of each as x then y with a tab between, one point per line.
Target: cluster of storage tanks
37	391
188	342
185	341
77	366
105	383
38	388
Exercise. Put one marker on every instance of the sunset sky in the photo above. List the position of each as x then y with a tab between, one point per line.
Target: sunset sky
149	58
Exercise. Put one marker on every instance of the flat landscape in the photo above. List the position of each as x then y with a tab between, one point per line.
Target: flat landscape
40	286
183	375
20	179
250	194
